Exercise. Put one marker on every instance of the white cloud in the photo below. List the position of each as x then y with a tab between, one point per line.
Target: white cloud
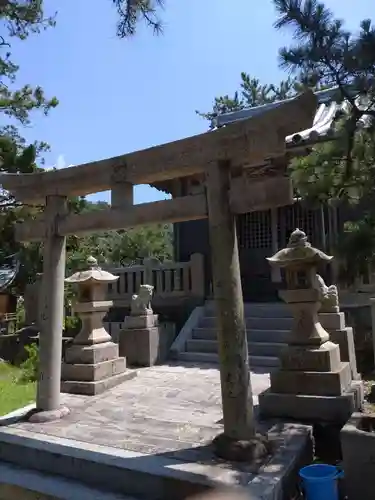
60	162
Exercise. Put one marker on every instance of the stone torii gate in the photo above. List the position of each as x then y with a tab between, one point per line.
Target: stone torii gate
222	155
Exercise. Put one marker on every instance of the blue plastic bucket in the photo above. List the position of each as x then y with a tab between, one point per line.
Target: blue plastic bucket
320	481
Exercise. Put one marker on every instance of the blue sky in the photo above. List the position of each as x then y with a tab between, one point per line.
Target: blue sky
118	96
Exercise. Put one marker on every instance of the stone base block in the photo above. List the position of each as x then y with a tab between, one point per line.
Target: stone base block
332	320
141	347
93	372
91	354
358	450
312	383
324	358
308	408
146	321
42	416
359	393
345	339
96	387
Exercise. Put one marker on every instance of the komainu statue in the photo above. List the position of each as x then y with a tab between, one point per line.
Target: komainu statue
328	295
141	303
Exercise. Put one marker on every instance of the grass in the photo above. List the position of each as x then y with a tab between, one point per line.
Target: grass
14	394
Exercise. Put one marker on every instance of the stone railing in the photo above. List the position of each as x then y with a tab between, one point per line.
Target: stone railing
171	280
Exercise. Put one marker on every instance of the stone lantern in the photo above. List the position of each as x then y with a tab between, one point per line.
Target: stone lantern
92	363
313	383
300	261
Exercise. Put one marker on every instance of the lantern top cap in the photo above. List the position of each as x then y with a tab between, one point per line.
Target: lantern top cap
95	274
298	238
92	262
299	252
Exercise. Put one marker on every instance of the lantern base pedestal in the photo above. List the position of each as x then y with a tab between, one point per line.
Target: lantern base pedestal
96	387
93	369
315	383
311	408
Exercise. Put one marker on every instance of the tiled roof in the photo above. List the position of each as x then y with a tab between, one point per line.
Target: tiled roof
321	129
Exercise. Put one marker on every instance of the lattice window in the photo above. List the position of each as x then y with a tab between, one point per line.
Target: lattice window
294	216
254	230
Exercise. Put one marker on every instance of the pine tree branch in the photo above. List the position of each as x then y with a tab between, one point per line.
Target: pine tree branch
130	11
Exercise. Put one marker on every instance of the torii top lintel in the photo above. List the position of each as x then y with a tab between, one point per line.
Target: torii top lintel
246	143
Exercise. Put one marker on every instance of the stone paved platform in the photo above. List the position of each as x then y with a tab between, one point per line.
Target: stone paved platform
163	409
150	438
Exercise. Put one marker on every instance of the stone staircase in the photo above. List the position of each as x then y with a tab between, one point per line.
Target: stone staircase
268	327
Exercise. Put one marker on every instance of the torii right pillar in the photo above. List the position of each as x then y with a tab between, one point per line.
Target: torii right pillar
239	441
313	383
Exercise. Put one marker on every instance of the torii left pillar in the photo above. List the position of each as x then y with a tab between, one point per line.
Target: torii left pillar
48	403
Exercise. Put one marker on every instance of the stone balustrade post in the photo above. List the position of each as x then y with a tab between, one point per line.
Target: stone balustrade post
148	277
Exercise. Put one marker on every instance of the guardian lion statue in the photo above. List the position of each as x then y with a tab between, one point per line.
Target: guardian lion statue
141	303
328	295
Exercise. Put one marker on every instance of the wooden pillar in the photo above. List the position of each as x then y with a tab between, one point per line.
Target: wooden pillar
323	227
234	365
275	271
52	310
335	236
177	191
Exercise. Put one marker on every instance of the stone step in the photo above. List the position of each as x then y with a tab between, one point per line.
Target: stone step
278	336
258	362
19	483
254	348
100	467
257	323
263	310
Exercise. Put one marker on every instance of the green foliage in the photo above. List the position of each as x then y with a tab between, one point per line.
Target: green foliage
14	393
325	53
30	367
356	248
121	247
71	325
252	93
20	19
322	175
20	315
